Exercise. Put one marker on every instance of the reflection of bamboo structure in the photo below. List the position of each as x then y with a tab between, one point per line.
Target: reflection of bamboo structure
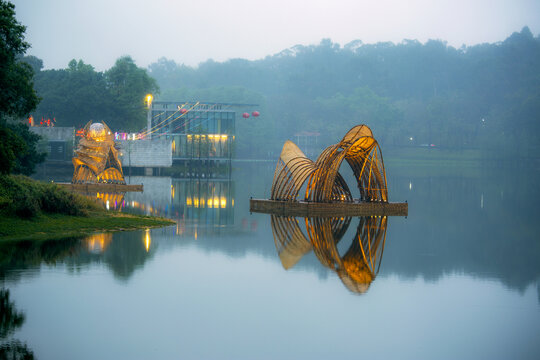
111	200
97	243
97	159
322	179
360	264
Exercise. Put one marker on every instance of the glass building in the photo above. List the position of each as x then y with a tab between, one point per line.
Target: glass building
201	131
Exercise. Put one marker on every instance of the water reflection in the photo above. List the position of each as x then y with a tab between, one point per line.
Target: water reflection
109	200
97	243
357	268
191	202
10	320
196	201
118	252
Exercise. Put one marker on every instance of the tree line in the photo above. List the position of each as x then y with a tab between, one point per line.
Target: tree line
77	94
483	97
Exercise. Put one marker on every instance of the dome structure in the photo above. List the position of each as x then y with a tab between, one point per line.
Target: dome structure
96	159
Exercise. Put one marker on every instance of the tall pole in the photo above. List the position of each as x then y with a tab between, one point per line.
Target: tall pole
149	122
129	154
149	99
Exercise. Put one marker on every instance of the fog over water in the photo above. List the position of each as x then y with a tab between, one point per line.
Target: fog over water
191	32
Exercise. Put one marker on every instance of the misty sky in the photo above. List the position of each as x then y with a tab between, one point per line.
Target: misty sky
192	31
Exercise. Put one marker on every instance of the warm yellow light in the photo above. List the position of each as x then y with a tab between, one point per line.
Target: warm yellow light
223	202
223	137
149	99
147	240
172	192
188	201
98	242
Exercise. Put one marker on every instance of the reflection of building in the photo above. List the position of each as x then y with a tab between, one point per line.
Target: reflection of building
357	268
208	202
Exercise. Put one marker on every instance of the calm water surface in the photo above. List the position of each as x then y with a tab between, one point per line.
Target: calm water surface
458	279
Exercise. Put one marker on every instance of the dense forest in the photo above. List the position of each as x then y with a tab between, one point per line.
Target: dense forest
79	93
484	97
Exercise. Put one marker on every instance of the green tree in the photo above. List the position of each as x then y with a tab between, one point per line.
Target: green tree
35	63
28	157
361	106
10	146
128	85
17	97
74	96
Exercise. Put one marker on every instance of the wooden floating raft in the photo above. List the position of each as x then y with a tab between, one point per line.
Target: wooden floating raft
339	208
101	187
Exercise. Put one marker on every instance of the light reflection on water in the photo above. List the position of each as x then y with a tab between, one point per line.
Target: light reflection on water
459	278
360	263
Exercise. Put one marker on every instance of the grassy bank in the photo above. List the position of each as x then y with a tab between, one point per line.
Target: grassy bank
34	210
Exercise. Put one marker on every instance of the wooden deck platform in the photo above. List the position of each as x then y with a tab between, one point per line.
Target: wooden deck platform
101	187
309	209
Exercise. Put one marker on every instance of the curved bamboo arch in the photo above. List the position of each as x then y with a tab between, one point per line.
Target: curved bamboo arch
360	264
324	182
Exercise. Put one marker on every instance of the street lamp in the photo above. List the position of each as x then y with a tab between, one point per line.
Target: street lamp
148	100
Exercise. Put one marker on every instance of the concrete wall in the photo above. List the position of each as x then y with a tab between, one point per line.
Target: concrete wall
55	133
146	153
56	141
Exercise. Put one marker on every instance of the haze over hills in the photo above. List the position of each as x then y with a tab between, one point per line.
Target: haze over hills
484	97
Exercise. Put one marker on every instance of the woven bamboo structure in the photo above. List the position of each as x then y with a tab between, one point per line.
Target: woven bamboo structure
96	159
322	179
357	268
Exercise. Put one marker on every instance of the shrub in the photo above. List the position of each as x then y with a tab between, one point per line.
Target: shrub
26	198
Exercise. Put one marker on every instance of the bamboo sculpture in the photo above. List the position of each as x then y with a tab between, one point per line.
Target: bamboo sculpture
96	158
357	268
323	181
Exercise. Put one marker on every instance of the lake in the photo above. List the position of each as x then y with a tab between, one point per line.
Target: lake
459	278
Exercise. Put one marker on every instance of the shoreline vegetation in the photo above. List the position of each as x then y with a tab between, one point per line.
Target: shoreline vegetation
33	210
